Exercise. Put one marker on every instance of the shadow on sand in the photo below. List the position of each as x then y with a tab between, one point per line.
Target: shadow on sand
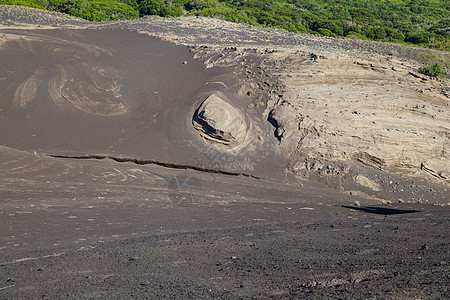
382	210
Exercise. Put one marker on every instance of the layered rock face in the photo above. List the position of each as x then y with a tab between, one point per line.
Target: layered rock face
338	109
220	123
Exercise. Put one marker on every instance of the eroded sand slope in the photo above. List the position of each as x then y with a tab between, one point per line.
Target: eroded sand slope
294	104
110	188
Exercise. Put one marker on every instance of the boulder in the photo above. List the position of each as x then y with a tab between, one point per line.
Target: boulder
285	121
220	123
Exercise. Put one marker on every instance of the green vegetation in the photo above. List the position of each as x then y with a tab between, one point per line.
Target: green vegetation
435	70
92	10
428	58
419	22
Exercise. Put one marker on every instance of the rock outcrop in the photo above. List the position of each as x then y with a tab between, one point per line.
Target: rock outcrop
285	121
220	123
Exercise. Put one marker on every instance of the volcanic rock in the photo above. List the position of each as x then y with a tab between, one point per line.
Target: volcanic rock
220	123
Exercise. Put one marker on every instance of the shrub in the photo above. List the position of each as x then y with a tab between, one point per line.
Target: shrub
417	38
326	32
435	70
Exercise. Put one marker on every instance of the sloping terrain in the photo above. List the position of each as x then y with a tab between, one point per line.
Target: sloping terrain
216	160
375	113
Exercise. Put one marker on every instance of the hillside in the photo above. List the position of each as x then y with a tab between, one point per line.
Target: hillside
418	22
191	157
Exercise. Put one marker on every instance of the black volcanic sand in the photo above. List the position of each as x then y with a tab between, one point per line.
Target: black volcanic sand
155	90
115	93
150	210
102	229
